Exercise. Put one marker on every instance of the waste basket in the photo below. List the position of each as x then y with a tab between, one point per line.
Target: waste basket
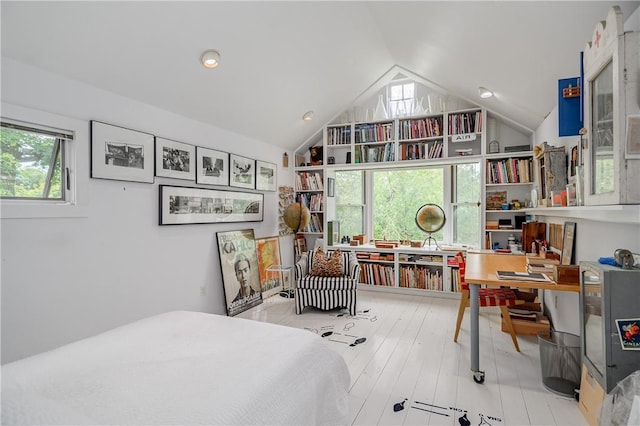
560	361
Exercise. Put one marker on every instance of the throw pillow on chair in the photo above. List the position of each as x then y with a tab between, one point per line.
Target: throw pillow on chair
326	267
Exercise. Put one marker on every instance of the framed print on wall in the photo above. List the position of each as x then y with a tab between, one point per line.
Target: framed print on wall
182	205
175	159
212	167
265	176
271	281
239	264
121	154
242	172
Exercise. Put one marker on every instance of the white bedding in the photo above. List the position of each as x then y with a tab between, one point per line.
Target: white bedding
181	368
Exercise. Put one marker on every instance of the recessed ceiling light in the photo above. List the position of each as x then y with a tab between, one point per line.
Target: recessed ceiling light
210	58
308	116
484	92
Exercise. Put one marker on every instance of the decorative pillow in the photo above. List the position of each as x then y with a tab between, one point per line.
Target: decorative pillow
326	267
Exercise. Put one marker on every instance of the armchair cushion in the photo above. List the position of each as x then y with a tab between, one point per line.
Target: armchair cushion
324	266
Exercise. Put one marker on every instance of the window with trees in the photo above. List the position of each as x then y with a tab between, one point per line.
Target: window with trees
32	162
384	202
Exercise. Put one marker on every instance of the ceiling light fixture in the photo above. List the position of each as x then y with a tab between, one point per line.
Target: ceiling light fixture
484	92
308	116
210	59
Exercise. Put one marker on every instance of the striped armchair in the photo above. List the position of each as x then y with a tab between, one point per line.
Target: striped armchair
327	292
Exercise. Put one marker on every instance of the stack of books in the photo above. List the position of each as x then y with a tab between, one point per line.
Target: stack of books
536	264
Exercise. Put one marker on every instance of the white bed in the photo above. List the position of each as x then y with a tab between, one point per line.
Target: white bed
181	368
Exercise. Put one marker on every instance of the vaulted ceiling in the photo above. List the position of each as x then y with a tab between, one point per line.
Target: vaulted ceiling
280	59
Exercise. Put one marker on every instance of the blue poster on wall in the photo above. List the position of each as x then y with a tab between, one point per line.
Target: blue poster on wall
569	106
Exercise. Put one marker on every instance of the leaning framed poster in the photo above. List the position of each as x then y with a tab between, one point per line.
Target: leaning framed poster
121	154
175	159
212	167
270	265
239	264
181	205
243	172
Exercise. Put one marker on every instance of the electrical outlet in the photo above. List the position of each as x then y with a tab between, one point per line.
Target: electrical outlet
203	290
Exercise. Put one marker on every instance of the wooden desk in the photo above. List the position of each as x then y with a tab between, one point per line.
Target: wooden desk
481	270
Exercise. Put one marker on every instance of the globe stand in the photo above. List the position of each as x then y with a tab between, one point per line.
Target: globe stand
428	240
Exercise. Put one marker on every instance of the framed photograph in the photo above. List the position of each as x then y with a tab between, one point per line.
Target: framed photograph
175	159
269	265
212	167
181	205
239	265
568	242
331	187
265	176
243	172
121	154
496	199
573	163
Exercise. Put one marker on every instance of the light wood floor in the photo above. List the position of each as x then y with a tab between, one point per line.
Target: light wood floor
409	354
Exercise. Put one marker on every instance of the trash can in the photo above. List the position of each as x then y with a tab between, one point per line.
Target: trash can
560	361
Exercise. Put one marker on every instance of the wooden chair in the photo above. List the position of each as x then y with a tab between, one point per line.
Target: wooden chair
502	297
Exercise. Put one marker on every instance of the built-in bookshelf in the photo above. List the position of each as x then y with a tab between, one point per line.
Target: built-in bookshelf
309	187
405	269
420	138
374	142
464	133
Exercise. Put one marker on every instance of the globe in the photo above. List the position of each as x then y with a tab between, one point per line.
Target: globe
296	216
430	218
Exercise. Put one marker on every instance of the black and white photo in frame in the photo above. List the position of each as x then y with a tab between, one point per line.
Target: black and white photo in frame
265	176
121	154
242	172
175	159
212	167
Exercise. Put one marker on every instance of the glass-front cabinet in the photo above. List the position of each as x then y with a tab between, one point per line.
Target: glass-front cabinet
611	72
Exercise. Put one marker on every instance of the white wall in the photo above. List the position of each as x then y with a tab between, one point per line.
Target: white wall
70	277
594	239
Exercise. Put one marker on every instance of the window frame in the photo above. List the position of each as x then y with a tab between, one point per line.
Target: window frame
76	171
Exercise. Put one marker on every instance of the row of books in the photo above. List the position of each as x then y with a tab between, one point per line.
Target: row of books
309	181
420	150
465	122
511	170
376	132
339	135
374	256
374	154
314	202
315	223
377	274
421	277
421	128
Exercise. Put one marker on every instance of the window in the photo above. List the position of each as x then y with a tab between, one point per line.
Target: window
32	162
466	204
401	98
393	196
398	194
349	192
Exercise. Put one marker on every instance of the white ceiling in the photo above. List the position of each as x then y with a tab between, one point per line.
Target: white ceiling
280	59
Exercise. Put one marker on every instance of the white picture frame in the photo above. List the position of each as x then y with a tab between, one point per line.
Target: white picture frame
266	176
212	167
242	172
119	153
175	159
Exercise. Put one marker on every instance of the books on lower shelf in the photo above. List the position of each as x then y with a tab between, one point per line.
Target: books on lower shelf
522	276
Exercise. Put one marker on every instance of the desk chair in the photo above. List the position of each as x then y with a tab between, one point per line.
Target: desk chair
502	297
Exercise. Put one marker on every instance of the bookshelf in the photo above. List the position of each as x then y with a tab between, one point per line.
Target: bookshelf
464	133
309	187
420	138
406	269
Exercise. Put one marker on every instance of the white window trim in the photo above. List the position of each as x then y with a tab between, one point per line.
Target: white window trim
76	159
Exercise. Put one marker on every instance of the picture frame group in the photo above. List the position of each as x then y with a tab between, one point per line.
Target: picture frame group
119	153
